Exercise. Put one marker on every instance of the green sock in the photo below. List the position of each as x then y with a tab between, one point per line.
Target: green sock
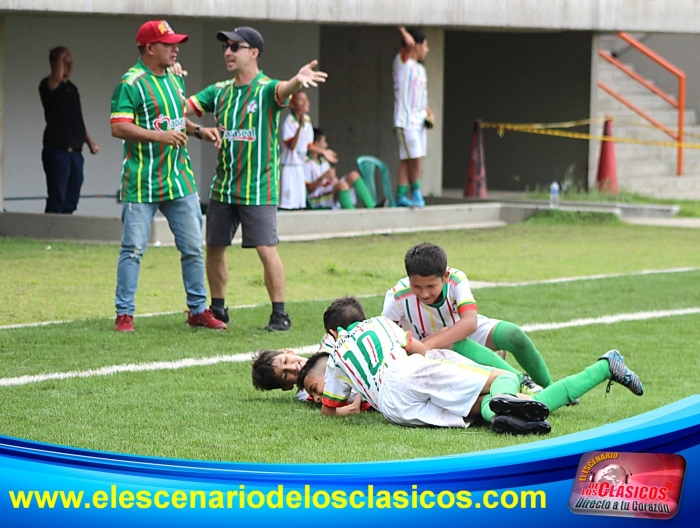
345	200
415	186
363	193
507	383
510	337
568	389
482	355
401	191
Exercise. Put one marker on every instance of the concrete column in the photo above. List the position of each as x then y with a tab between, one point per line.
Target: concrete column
2	111
435	66
593	128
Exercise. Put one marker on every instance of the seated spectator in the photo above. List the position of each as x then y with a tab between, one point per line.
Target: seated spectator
326	190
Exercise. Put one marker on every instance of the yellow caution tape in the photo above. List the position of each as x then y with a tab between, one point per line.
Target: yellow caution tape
542	130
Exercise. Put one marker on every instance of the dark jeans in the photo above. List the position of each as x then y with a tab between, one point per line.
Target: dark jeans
64	178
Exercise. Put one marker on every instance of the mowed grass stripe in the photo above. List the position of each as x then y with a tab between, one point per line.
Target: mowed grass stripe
237	358
475	285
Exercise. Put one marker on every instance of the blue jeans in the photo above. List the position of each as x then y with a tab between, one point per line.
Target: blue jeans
64	178
185	220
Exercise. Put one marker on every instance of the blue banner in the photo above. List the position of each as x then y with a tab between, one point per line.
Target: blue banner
48	485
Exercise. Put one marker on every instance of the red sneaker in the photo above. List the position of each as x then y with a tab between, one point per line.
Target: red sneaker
205	319
124	323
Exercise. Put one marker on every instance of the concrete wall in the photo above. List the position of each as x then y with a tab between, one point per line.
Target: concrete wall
357	107
605	15
103	49
515	78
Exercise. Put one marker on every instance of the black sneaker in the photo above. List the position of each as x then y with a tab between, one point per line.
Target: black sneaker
279	322
518	426
220	313
509	405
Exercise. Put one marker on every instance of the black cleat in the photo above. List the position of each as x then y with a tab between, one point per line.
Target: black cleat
220	313
509	405
621	374
517	426
279	322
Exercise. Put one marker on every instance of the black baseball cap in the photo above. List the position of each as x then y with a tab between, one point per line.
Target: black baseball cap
243	34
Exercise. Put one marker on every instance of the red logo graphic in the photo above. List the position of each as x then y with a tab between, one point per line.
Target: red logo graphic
620	484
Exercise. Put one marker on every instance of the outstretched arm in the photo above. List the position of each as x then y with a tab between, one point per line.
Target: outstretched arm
304	78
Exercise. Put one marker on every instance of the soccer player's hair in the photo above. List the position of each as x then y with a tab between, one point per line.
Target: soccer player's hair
263	372
310	364
318	134
417	33
342	313
55	53
426	259
142	50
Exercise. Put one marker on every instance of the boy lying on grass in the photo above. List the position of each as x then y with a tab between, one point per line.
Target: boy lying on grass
413	386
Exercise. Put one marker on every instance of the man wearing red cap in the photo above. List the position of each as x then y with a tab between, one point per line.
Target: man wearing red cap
245	187
148	113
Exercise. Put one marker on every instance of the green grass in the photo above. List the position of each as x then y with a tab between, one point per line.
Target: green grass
213	413
72	281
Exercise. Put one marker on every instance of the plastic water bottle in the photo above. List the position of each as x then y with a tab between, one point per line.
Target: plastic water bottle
554	195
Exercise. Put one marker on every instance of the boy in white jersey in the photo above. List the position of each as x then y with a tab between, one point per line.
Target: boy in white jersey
411	386
436	304
297	135
411	114
324	188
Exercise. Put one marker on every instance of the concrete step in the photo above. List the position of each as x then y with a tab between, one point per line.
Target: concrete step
665	117
685	187
620	129
649	103
628	86
652	168
626	152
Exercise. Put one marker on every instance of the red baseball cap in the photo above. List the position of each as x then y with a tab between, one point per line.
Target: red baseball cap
158	31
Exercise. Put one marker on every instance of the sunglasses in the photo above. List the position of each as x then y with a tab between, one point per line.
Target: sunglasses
234	46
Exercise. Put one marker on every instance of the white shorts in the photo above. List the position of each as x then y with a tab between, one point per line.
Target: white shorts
292	187
437	389
484	325
413	144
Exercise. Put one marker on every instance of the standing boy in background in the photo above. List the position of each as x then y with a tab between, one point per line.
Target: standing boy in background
411	114
297	136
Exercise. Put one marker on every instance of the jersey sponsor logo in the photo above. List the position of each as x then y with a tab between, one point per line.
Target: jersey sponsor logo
252	107
247	134
164	123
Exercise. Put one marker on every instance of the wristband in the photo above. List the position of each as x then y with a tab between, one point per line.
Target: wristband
196	132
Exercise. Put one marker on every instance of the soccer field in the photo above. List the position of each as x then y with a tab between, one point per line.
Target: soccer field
56	385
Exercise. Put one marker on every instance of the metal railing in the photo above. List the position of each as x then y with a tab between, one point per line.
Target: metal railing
676	103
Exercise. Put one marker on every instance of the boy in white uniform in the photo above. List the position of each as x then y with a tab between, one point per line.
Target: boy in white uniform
436	304
411	114
297	136
324	188
435	387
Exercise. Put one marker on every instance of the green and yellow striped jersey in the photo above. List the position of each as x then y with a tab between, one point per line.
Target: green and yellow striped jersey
248	169
152	172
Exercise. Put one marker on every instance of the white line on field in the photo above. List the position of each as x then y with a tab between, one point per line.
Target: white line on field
236	358
141	367
475	285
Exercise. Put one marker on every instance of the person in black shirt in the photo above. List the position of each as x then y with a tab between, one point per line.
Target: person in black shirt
64	135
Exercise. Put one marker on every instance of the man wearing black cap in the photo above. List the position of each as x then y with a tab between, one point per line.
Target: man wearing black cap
245	187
